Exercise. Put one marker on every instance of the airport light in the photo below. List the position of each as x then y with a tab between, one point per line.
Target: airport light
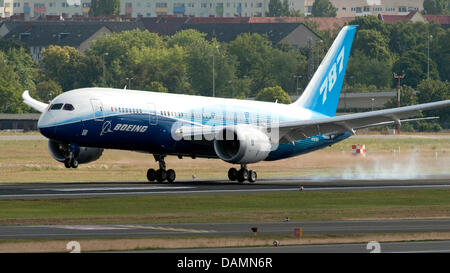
104	70
129	82
428	59
398	77
213	70
297	77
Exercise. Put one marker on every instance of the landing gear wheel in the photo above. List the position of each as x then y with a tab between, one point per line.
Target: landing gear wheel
252	176
242	175
232	174
171	175
74	163
151	175
67	163
161	175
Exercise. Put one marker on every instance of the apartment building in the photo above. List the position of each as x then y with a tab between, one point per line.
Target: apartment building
40	8
144	8
6	8
203	8
352	8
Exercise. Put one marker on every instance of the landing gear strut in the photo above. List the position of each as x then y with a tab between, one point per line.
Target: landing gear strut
161	174
71	159
242	175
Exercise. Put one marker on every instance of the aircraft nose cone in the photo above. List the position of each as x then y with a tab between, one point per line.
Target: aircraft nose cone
46	125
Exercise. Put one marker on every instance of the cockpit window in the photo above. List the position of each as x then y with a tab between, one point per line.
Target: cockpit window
56	106
68	107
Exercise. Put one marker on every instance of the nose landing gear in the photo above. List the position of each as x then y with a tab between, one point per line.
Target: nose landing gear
70	161
161	174
242	175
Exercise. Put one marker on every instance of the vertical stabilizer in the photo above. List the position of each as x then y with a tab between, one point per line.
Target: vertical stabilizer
322	93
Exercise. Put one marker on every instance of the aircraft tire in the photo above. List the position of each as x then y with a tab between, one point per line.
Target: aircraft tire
74	163
151	175
252	176
161	175
171	175
242	175
232	174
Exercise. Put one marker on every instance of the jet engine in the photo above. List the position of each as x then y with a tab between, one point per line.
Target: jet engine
242	145
60	152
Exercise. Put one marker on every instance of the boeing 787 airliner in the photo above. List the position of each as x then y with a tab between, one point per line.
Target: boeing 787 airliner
81	123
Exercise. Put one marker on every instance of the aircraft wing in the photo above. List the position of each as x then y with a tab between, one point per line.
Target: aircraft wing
296	130
35	104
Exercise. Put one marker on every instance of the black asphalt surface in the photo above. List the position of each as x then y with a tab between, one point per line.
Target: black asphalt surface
102	189
223	229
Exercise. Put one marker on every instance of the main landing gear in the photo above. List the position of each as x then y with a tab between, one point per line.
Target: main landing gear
242	175
161	174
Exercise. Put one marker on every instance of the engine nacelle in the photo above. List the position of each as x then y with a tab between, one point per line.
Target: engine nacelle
242	144
60	151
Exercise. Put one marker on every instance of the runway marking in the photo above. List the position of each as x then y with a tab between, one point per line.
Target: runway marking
219	191
128	227
110	189
92	227
375	187
167	228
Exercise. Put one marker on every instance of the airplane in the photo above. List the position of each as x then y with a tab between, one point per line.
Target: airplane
81	123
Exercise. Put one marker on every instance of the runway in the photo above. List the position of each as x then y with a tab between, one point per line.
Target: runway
105	189
223	229
394	247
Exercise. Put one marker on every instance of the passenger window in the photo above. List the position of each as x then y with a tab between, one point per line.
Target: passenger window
56	106
68	107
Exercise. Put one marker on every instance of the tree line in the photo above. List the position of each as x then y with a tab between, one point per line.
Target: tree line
249	66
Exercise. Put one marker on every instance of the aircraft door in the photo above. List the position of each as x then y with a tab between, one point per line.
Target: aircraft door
153	117
97	108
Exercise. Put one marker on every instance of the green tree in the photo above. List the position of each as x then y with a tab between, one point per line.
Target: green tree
407	97
273	94
157	87
323	8
70	68
104	7
372	43
372	23
7	44
364	70
115	51
24	65
436	6
435	90
47	90
440	53
275	8
10	88
414	65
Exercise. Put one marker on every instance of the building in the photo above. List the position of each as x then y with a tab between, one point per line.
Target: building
352	8
286	31
30	9
415	16
25	122
40	35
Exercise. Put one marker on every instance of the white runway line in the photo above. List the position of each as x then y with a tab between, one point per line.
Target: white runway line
110	189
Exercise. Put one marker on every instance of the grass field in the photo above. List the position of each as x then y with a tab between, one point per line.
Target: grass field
299	206
403	157
387	157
